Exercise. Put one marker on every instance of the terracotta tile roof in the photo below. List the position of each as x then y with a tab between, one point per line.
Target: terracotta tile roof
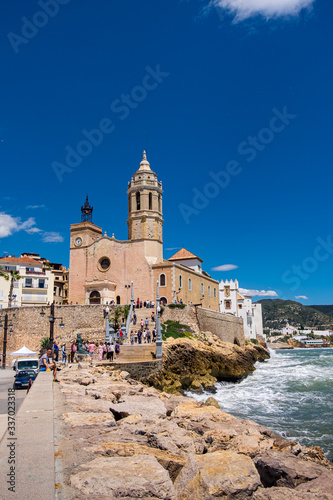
184	254
20	260
239	297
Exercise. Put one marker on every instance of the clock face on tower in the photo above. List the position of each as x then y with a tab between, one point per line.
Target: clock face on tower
78	241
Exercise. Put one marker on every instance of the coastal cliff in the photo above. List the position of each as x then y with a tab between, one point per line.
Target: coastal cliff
117	438
199	363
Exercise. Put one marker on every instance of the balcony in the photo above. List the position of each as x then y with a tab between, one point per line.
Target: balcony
36	272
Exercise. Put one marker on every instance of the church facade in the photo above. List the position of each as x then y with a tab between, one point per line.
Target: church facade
101	267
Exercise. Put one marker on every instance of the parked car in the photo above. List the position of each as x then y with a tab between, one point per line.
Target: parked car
22	378
26	364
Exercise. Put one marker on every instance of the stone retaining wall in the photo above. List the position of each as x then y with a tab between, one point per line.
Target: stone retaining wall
29	327
226	327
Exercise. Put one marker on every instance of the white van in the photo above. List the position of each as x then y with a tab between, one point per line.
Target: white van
26	364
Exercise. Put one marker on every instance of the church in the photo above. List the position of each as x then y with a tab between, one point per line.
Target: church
101	267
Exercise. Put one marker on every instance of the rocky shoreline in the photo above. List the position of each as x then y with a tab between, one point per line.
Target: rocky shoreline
118	438
197	364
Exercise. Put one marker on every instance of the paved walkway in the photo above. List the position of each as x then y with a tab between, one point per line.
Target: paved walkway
33	446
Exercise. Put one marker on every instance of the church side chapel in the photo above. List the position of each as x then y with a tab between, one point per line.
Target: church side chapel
101	267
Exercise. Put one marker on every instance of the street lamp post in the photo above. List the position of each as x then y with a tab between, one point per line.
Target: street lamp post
52	319
107	324
159	340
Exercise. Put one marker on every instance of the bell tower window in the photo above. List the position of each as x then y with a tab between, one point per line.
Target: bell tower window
150	201
159	203
138	201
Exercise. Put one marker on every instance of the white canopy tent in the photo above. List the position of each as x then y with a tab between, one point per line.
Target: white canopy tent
24	351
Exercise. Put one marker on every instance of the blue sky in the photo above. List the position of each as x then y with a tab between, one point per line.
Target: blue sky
233	105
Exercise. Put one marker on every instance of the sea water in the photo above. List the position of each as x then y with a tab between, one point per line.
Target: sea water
291	393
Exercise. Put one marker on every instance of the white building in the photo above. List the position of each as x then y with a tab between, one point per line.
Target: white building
237	304
35	287
289	330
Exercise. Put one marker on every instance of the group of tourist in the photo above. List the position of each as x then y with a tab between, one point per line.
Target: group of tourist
55	352
149	304
105	350
143	336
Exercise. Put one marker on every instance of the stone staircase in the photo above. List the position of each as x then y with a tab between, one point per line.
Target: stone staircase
142	314
136	353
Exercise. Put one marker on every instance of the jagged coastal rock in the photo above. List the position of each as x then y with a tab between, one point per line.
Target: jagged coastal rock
117	438
197	364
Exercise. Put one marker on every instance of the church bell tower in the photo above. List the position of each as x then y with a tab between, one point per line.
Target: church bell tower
144	192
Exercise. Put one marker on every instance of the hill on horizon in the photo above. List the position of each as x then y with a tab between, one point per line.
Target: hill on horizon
277	312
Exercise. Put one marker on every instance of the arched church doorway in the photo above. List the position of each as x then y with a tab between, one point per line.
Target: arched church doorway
118	299
163	301
95	297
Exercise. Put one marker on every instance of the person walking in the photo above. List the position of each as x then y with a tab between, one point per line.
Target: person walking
111	351
146	323
153	317
148	336
132	337
134	319
117	349
56	351
144	336
63	353
100	351
91	349
140	336
73	351
154	335
141	325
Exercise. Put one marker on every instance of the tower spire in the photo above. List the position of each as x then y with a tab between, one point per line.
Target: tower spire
144	165
86	211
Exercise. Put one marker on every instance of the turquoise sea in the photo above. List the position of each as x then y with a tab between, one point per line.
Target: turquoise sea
291	393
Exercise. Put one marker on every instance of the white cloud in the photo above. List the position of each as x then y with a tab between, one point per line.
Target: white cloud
34	207
258	293
52	237
304	297
225	267
10	225
172	248
243	9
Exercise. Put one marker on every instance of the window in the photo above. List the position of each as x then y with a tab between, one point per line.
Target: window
202	288
16	284
150	201
55	290
28	283
214	293
162	280
41	283
189	284
159	203
180	281
240	306
104	264
227	304
208	291
138	201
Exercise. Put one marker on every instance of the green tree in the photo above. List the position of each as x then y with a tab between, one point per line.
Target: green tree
13	276
116	318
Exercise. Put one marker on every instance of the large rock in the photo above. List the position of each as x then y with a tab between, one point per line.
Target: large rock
322	486
217	475
171	462
167	435
286	494
195	364
128	478
150	407
80	419
280	469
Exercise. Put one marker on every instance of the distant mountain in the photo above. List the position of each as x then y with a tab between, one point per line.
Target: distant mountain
277	312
